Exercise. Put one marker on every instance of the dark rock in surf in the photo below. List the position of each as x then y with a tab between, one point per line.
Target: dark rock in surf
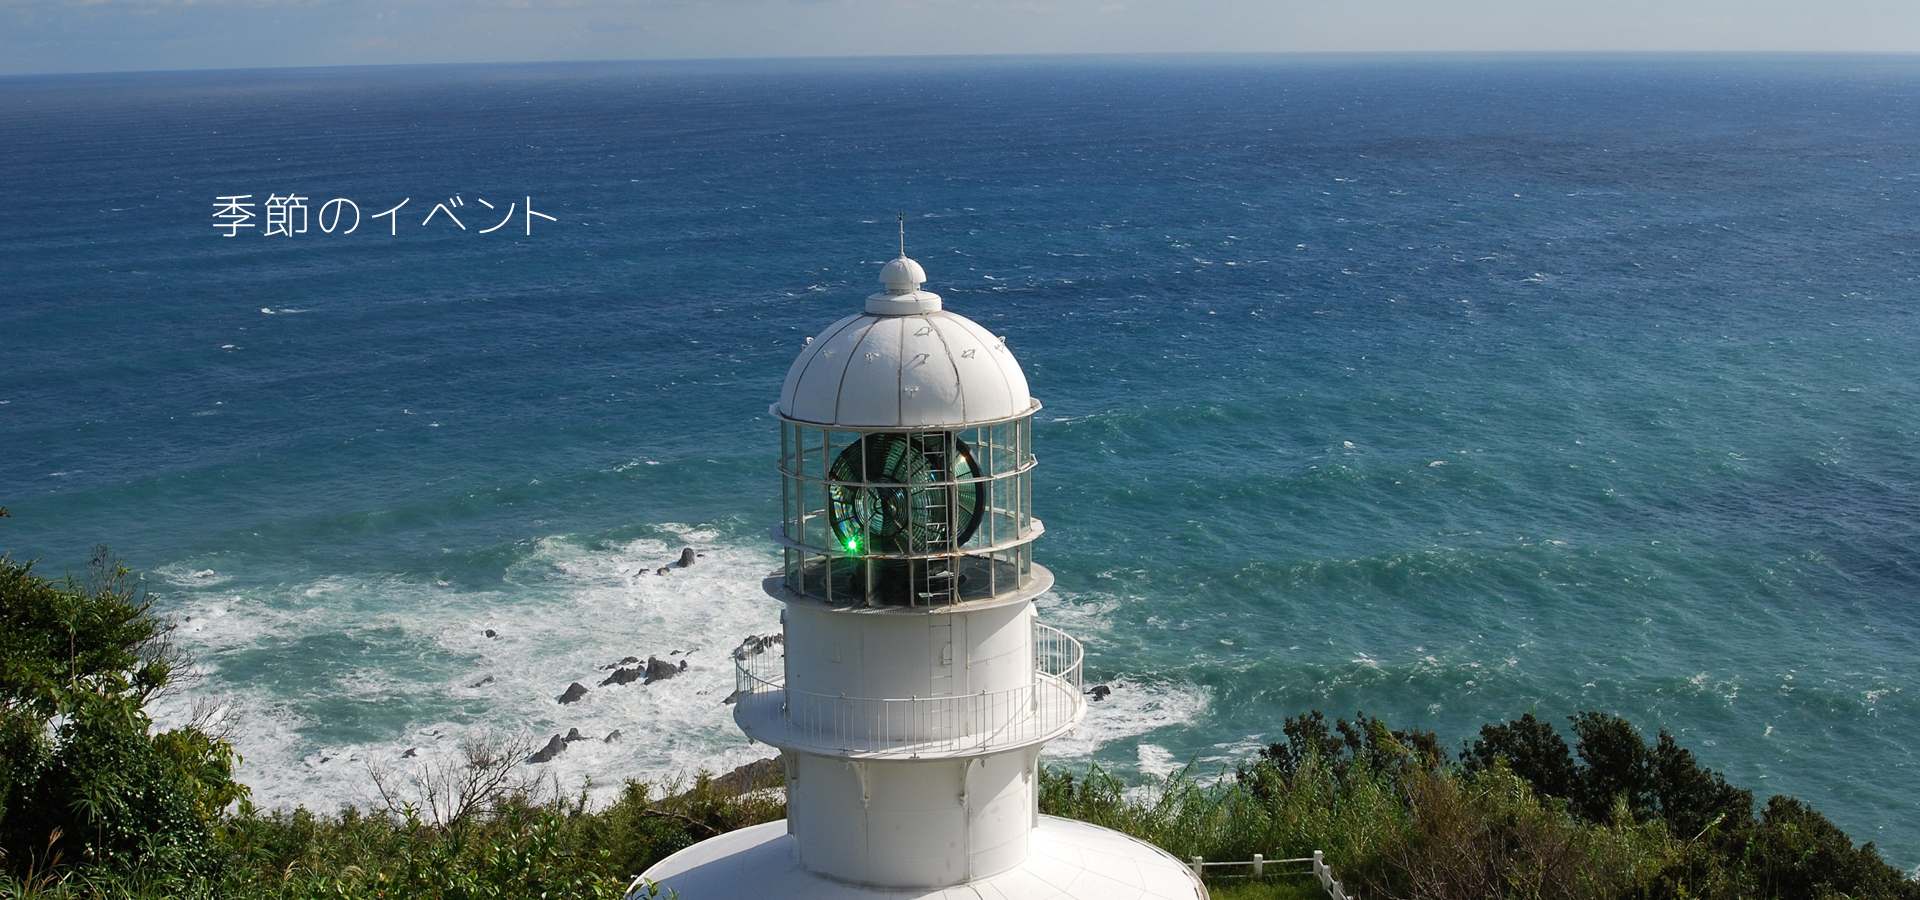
554	748
1100	692
624	676
755	644
574	692
660	670
757	774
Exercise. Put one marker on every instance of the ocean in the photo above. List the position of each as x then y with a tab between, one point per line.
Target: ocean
1444	388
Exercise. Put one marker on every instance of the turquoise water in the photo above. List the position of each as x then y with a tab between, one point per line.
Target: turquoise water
1442	388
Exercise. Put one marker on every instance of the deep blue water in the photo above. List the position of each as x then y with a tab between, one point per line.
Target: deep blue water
1444	388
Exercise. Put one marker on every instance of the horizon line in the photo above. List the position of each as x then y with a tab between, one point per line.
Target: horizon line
894	59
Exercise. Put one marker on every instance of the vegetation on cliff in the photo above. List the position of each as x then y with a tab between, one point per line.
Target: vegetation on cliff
96	801
84	776
1520	813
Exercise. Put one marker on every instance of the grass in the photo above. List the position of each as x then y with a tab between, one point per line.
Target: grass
1270	888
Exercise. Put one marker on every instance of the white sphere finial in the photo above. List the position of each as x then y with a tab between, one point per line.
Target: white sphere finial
902	276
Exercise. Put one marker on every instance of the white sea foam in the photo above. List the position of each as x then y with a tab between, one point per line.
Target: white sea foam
415	651
1133	709
1086	617
1156	760
1135	706
377	666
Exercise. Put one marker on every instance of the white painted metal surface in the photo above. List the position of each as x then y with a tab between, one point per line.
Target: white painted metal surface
904	823
902	276
907	365
1044	704
1069	860
907	652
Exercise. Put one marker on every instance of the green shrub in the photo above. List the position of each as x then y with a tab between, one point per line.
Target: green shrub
84	781
1796	852
1531	749
509	846
1398	820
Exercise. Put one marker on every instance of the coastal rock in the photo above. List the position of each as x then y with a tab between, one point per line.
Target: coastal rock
732	698
484	682
660	670
553	748
574	692
625	662
1100	692
660	571
757	774
492	634
573	734
411	753
613	737
624	676
686	557
756	644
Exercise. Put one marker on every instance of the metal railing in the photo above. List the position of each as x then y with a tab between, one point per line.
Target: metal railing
911	726
1317	863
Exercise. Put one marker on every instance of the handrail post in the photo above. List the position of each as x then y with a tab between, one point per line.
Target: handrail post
1197	865
1259	865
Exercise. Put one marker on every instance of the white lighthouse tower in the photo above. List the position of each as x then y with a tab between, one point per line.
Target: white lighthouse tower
916	686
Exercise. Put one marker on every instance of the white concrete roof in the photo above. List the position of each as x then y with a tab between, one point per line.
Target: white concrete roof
1070	861
904	363
903	275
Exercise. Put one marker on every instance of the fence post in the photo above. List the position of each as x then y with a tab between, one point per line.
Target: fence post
1197	866
1259	865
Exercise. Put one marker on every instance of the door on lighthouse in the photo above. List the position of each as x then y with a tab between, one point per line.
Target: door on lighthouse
947	638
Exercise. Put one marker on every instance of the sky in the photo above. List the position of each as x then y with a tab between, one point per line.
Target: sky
58	36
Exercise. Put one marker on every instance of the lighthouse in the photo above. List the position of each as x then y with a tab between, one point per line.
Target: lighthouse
915	685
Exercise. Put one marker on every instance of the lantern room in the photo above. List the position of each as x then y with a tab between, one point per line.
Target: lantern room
906	457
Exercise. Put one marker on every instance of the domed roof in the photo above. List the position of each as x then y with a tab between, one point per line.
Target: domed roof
903	275
904	363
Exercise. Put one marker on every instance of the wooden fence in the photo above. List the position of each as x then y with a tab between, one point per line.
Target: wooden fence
1259	866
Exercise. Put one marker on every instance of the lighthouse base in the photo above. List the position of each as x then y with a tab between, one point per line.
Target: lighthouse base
1070	860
